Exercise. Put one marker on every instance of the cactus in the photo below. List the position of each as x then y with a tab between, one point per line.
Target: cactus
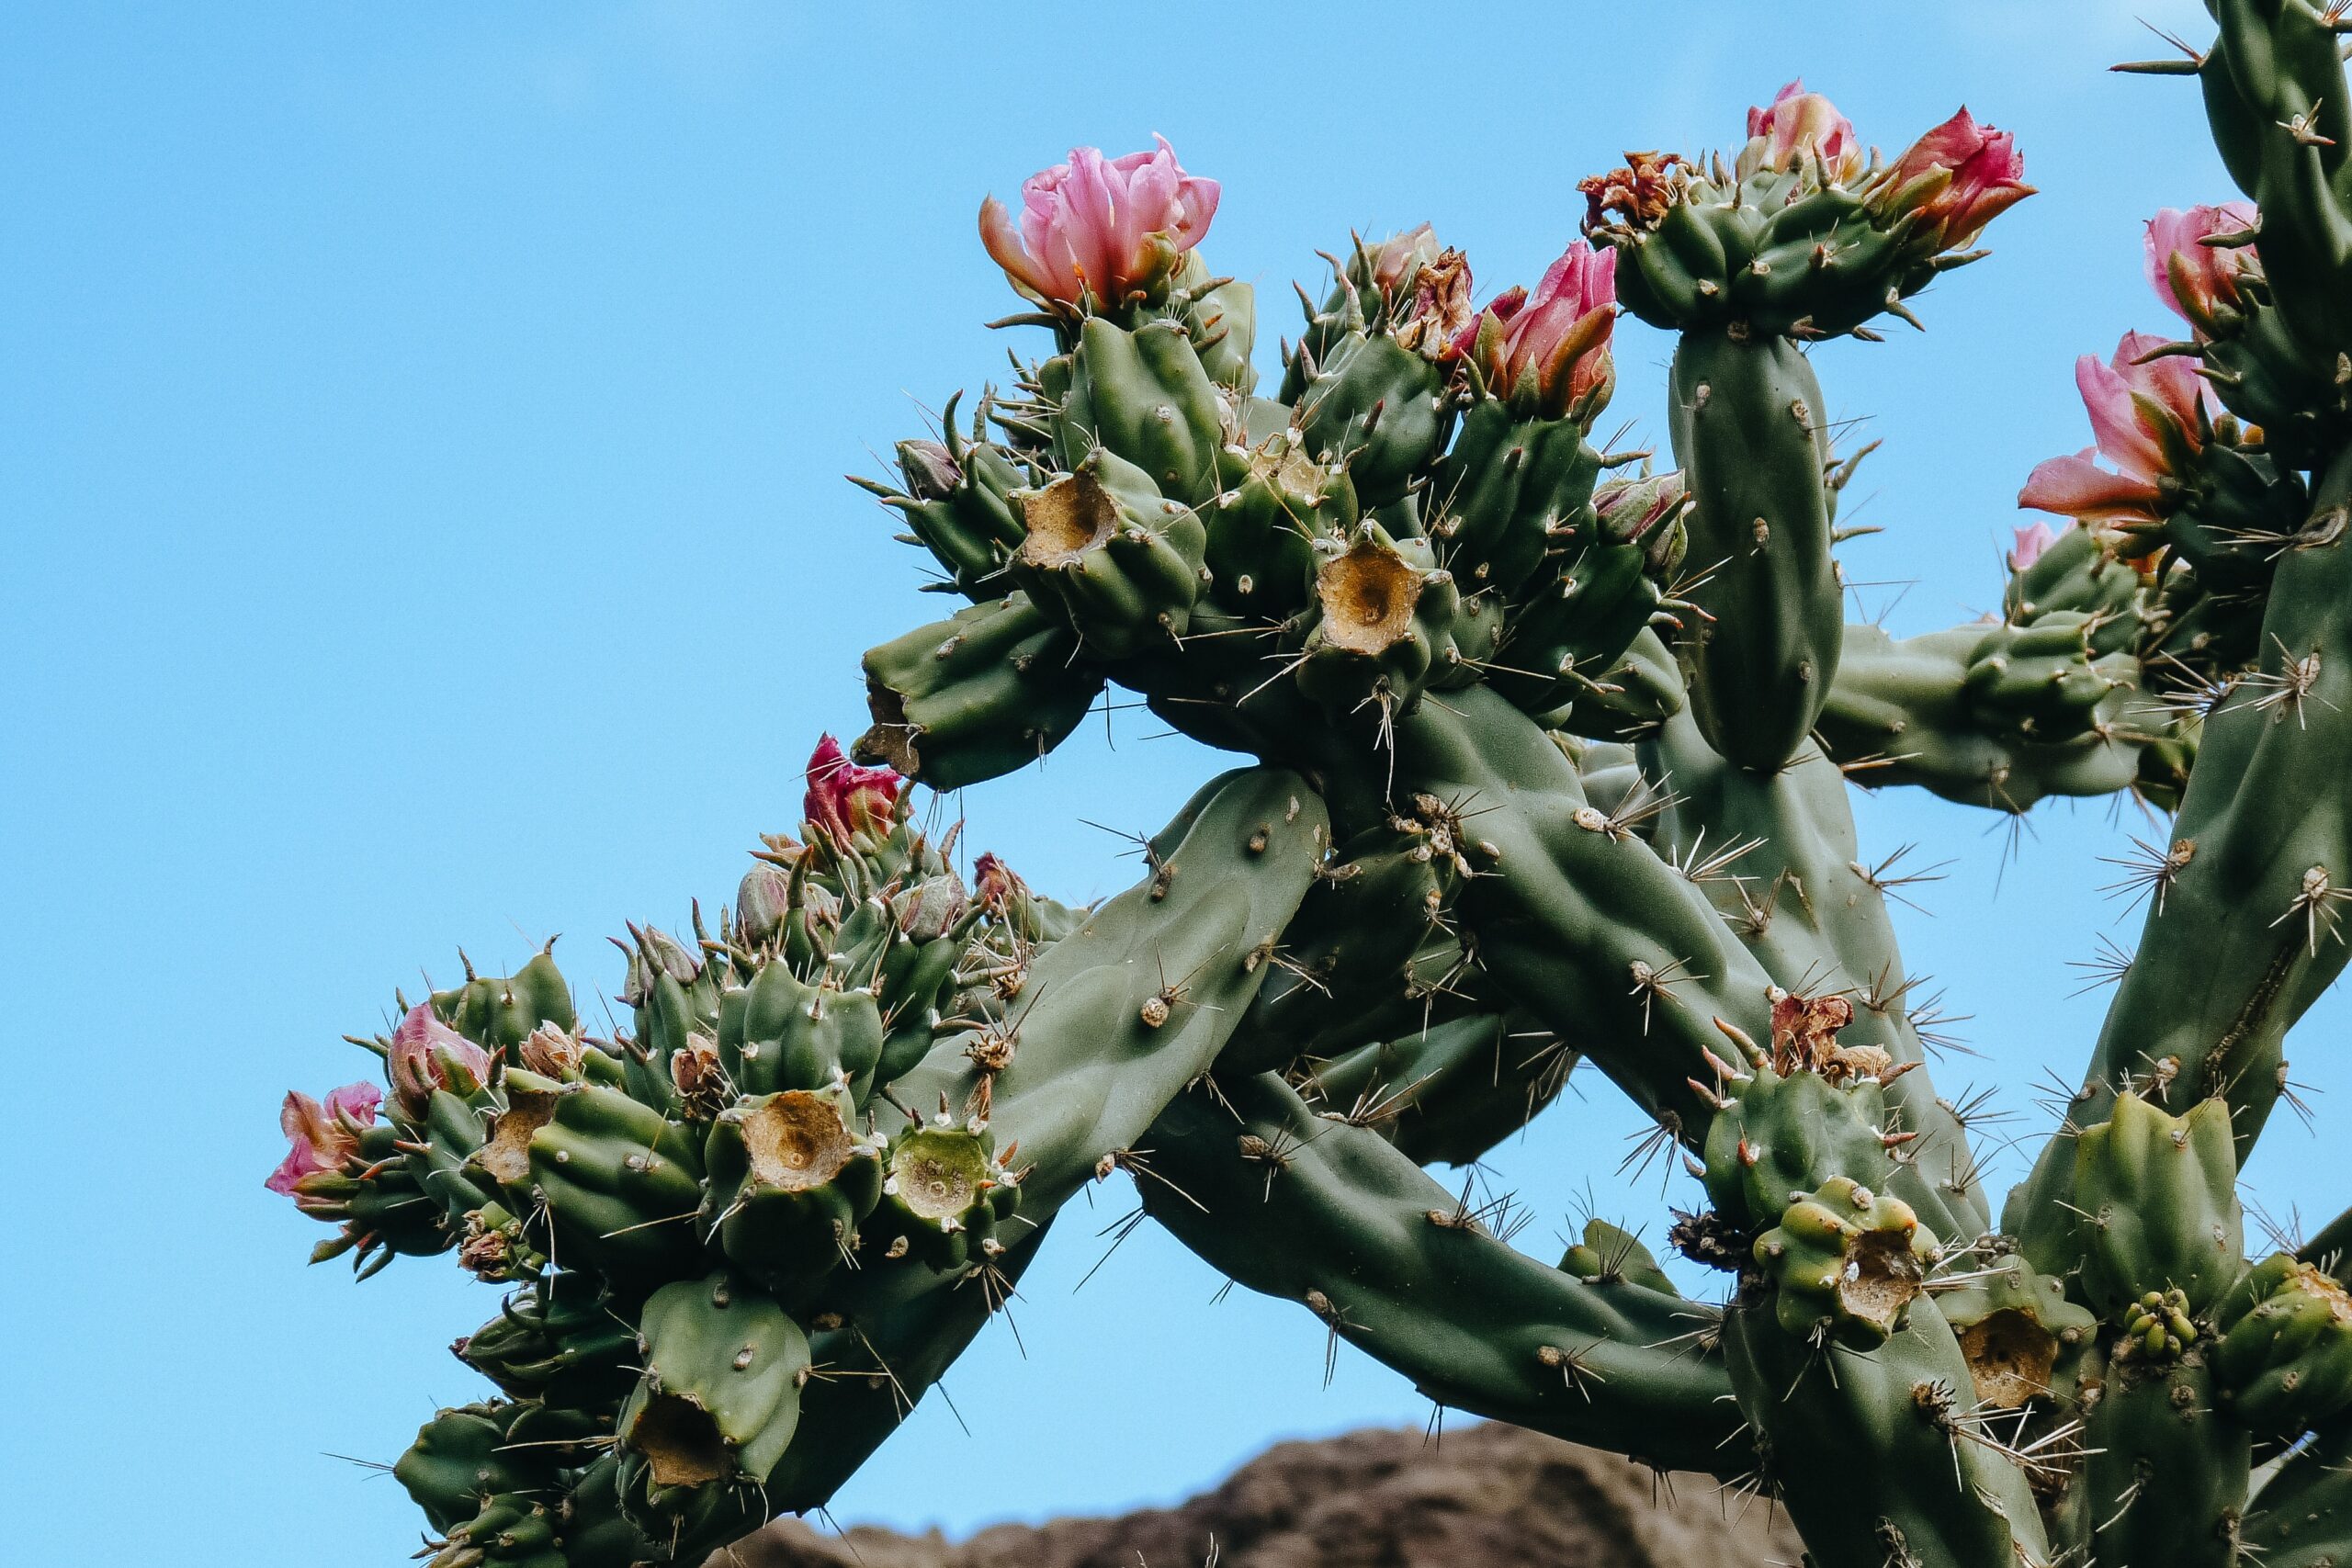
1545	760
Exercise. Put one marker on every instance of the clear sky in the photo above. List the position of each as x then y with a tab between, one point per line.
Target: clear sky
422	432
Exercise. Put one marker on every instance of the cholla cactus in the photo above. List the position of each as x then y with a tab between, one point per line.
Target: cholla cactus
1463	652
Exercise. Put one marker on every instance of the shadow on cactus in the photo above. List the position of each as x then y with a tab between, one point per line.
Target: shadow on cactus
1543	757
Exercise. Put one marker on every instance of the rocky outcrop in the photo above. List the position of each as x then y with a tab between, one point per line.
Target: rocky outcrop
1486	1496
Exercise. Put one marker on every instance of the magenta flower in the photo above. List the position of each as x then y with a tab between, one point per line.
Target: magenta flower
322	1137
2199	282
1100	226
1795	128
2032	540
1958	177
425	1053
1552	346
845	800
2146	414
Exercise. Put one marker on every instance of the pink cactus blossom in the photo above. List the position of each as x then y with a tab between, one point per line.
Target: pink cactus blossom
322	1137
1959	177
1553	345
1100	226
423	1048
2141	414
845	800
2199	282
1795	128
2032	540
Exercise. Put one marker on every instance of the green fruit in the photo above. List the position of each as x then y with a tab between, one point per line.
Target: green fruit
1847	1258
718	1401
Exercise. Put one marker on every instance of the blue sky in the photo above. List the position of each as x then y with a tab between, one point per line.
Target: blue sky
421	441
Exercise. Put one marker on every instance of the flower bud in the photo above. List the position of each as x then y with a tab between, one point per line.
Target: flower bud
930	470
2200	282
1551	348
1957	179
427	1054
1797	127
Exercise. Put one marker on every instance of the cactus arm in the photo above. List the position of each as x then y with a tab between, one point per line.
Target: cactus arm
1574	915
1449	1093
1900	712
1114	1019
1749	430
1812	915
2284	125
2246	895
2303	1516
877	1371
1330	1215
1862	1449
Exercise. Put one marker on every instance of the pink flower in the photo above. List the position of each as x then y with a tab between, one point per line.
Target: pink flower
845	800
2197	281
2143	416
1100	226
1551	345
322	1137
2032	540
1796	127
1959	177
425	1050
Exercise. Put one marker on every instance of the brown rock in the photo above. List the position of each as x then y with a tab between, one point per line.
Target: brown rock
1487	1496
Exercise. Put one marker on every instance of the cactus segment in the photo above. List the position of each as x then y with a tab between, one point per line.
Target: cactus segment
1334	1216
1144	398
1751	432
989	690
790	1183
1118	561
717	1402
2166	1468
2021	1336
2159	1206
1378	409
2284	1359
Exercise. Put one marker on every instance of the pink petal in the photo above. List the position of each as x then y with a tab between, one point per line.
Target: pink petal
843	798
2115	425
302	1119
292	1169
2170	379
1003	240
2032	540
2077	487
356	1100
1946	146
